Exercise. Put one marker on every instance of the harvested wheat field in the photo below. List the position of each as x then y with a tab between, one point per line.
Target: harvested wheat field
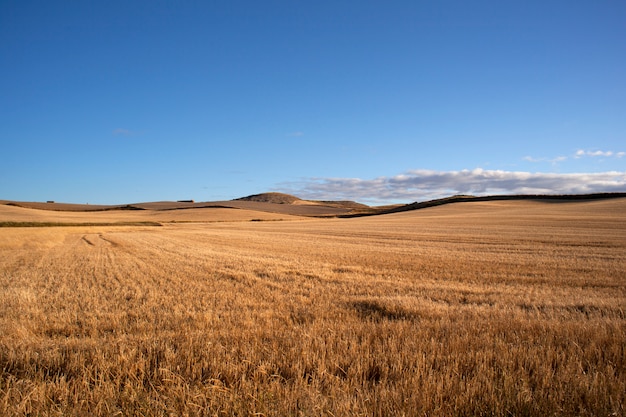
479	308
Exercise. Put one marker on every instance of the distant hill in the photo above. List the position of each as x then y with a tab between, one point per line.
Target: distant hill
52	206
275	198
282	198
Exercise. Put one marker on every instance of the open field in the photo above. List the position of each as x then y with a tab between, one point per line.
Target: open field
210	214
481	308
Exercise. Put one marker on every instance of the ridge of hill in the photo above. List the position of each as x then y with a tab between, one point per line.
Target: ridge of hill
471	198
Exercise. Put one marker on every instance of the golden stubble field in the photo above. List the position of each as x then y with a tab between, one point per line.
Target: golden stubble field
485	308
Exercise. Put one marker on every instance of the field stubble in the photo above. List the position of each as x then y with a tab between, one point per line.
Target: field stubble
509	308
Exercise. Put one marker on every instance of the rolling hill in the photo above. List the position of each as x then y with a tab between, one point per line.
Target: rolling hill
265	206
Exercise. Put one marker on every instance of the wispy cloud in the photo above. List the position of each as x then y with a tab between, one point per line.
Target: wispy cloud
580	153
121	132
126	132
420	185
554	160
295	134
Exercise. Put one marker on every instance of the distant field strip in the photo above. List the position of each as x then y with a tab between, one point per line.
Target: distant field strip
492	308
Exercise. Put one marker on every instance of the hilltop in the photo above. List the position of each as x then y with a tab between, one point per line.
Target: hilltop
275	198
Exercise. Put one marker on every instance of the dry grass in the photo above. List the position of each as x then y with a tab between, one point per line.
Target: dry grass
503	308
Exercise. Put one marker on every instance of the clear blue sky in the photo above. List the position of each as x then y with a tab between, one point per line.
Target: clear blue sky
396	101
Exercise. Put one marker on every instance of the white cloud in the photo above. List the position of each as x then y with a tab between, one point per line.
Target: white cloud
599	153
421	185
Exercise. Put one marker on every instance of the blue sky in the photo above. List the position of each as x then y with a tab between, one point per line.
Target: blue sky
380	102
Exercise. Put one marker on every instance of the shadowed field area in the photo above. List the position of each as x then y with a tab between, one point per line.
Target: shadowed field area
482	308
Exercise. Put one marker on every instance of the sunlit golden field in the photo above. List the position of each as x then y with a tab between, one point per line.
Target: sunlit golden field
483	308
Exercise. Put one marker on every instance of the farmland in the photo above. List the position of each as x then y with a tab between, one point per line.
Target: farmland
475	308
